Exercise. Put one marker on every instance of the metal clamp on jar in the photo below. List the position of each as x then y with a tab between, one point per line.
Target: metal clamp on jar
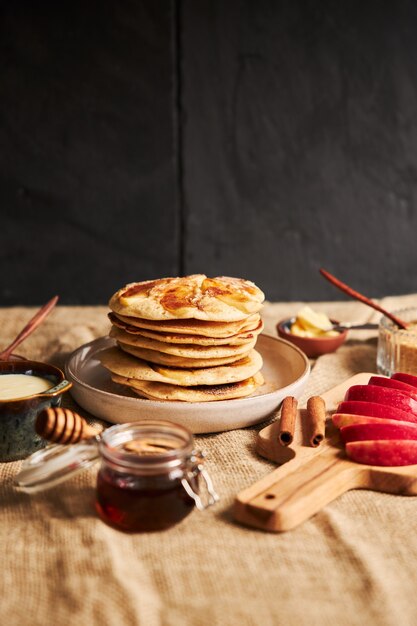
150	476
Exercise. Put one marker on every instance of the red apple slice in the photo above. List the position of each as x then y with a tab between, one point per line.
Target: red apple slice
405	378
382	395
373	409
381	430
390	453
345	419
394	384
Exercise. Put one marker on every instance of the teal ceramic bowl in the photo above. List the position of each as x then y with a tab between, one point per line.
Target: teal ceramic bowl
18	438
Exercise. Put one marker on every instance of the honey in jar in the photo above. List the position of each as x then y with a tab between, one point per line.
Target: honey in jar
148	479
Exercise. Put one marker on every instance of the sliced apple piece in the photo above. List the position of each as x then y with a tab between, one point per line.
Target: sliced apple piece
345	419
373	409
389	453
236	292
405	378
381	430
136	291
382	395
394	384
178	296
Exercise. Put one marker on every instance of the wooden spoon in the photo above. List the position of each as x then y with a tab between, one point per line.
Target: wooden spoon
358	296
29	328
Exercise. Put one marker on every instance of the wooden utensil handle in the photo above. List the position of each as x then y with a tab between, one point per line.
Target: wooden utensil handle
359	296
60	425
29	328
293	498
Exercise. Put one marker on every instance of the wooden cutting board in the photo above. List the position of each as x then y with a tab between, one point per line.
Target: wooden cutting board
309	478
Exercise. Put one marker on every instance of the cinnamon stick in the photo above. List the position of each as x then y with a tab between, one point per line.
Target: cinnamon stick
287	423
316	420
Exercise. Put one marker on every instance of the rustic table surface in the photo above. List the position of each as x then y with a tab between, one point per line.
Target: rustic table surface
352	563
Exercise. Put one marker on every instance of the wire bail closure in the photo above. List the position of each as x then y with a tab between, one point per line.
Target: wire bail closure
198	470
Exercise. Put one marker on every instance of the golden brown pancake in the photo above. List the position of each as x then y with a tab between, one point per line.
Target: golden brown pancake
167	337
190	327
162	358
130	367
220	299
183	350
198	393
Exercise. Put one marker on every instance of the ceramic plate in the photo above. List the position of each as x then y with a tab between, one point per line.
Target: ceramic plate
286	370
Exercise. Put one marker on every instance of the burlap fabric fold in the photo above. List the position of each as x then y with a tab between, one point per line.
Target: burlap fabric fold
354	563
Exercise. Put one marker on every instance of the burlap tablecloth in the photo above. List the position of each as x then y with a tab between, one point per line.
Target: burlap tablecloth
355	562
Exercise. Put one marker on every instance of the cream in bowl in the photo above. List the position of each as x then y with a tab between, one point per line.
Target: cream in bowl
26	388
16	386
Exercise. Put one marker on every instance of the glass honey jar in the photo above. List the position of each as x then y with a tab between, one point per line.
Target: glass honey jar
150	476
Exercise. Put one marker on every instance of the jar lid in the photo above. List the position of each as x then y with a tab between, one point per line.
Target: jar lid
55	464
149	446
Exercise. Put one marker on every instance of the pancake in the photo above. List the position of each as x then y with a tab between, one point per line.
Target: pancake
238	339
189	339
162	358
130	367
190	327
183	350
220	299
199	393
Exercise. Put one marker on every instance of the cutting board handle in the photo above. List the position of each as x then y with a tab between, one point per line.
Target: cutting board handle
288	498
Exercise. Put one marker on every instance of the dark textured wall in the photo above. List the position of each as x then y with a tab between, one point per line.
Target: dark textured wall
257	139
87	157
301	143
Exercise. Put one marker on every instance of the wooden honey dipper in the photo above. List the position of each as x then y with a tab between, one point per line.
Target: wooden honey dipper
63	426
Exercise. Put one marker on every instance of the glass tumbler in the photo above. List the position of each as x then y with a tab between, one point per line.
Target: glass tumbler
397	348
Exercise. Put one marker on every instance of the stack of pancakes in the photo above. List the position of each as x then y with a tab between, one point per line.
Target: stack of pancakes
189	338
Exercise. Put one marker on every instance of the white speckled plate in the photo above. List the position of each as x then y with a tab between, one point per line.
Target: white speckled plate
286	370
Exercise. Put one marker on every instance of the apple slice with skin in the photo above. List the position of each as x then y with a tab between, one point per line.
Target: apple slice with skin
382	430
391	453
383	395
345	419
373	409
405	378
394	384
